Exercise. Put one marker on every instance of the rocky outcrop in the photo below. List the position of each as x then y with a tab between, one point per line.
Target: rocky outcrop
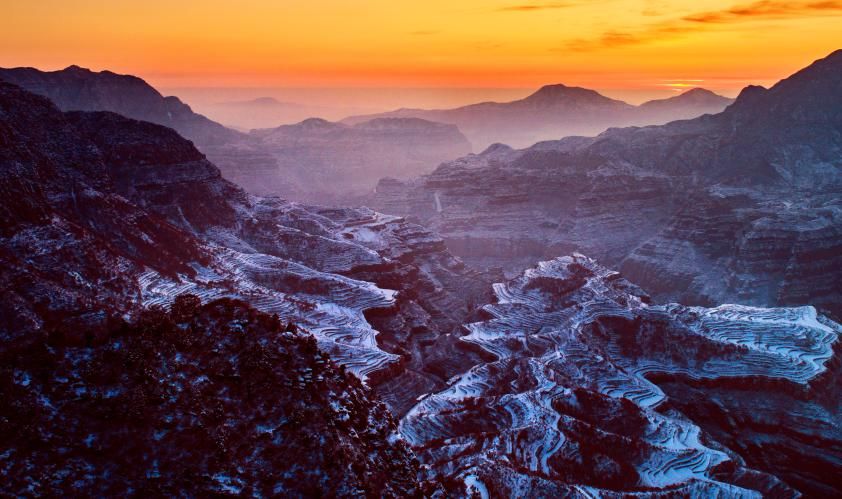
739	207
104	216
572	403
555	111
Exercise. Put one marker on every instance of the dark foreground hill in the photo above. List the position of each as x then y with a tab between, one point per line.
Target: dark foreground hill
203	400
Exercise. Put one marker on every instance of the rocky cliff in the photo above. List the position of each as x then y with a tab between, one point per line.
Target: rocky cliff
104	216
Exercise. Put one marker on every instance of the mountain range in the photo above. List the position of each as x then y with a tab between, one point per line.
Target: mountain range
737	207
163	331
556	111
314	160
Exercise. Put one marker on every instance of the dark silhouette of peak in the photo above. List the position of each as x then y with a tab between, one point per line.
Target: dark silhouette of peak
824	75
810	96
496	148
694	102
562	94
79	89
750	93
316	123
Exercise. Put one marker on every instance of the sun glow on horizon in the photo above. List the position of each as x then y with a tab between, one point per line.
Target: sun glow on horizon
605	44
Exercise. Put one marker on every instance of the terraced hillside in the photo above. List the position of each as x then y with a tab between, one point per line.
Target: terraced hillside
571	403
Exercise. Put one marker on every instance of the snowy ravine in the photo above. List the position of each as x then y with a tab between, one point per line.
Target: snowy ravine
567	408
324	302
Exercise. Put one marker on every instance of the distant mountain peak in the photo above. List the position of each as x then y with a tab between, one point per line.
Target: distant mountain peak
266	100
308	125
693	97
316	123
259	101
751	91
553	87
559	92
496	148
80	89
699	91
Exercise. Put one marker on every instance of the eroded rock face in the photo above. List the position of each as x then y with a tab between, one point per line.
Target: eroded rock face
572	403
104	216
120	214
742	206
557	111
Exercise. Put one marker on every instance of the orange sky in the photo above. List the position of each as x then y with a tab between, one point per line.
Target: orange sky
622	44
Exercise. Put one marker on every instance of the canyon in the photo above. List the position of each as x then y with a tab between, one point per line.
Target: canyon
441	343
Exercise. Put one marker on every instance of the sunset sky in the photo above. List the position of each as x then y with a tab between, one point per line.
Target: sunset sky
604	44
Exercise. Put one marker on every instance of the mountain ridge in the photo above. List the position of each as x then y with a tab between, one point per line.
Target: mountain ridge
80	89
536	117
305	167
